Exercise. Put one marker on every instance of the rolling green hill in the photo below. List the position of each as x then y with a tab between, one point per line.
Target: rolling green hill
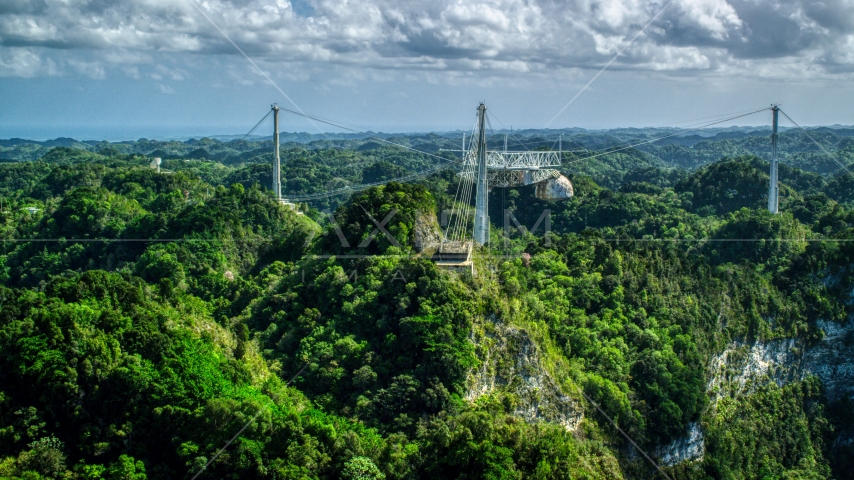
146	318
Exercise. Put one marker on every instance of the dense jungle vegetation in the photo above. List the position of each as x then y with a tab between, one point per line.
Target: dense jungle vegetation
145	318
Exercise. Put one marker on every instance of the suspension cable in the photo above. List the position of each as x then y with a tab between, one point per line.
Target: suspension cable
505	128
257	124
832	157
449	162
607	152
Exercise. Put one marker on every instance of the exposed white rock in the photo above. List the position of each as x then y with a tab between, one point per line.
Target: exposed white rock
782	361
427	232
687	448
510	360
832	359
742	367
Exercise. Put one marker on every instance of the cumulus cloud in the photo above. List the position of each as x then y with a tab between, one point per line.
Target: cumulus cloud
25	62
432	35
89	69
836	15
715	17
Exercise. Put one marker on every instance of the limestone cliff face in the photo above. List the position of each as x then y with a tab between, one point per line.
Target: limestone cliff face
741	367
688	447
831	360
511	362
427	232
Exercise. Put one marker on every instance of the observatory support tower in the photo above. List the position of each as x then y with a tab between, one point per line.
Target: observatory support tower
277	166
481	220
773	189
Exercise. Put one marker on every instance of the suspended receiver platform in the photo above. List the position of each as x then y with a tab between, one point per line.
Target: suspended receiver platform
483	169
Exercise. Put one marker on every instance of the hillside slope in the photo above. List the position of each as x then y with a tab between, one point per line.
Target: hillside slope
145	318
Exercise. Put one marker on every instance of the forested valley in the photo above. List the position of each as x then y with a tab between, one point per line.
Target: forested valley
146	318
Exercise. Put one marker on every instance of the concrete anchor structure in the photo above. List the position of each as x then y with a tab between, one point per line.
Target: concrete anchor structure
455	256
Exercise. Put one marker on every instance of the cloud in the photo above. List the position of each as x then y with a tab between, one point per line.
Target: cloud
835	15
131	72
177	74
93	70
716	17
25	62
500	36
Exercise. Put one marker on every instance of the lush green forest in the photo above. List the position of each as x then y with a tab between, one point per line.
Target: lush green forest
146	317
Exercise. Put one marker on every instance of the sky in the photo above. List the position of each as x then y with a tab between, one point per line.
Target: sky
100	69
